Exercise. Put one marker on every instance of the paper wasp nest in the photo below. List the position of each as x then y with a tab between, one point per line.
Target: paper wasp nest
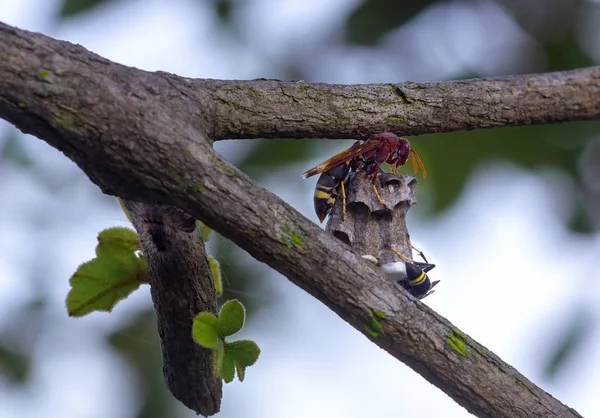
368	227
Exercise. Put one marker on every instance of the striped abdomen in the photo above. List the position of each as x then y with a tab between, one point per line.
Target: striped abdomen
417	281
328	189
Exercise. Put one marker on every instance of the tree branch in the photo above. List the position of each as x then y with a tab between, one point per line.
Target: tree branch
181	286
277	109
143	136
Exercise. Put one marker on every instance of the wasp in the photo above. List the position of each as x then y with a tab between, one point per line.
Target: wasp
414	276
331	184
366	156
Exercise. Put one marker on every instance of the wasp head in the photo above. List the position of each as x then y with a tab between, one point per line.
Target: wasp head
402	151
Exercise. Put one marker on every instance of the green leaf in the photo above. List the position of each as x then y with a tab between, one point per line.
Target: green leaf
238	355
215	269
231	318
218	356
205	231
208	318
102	282
74	7
245	352
241	370
204	330
118	240
228	369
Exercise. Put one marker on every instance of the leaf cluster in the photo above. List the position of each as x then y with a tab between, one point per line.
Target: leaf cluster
210	332
120	268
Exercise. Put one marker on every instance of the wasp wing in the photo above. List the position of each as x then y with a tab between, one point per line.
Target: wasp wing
354	151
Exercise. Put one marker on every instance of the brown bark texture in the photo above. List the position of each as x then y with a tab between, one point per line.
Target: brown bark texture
278	109
147	137
181	286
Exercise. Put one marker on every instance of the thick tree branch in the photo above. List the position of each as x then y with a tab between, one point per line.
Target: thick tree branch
181	286
272	108
137	135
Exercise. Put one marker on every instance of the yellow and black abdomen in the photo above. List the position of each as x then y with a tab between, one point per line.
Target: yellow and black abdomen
417	281
328	189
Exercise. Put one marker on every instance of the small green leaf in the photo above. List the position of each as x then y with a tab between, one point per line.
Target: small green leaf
218	356
241	370
228	369
231	318
246	352
208	318
102	282
204	330
205	231
215	269
118	239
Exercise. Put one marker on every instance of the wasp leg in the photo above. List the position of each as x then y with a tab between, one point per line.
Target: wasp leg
417	251
343	202
379	197
392	163
399	254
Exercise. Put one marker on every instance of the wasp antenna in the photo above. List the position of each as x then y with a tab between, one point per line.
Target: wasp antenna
415	157
421	254
414	162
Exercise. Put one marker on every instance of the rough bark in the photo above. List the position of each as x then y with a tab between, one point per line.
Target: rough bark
181	286
144	136
33	63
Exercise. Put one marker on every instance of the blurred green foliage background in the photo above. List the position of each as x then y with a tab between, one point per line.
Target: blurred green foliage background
548	36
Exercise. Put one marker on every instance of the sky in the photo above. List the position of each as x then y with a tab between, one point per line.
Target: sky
510	272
